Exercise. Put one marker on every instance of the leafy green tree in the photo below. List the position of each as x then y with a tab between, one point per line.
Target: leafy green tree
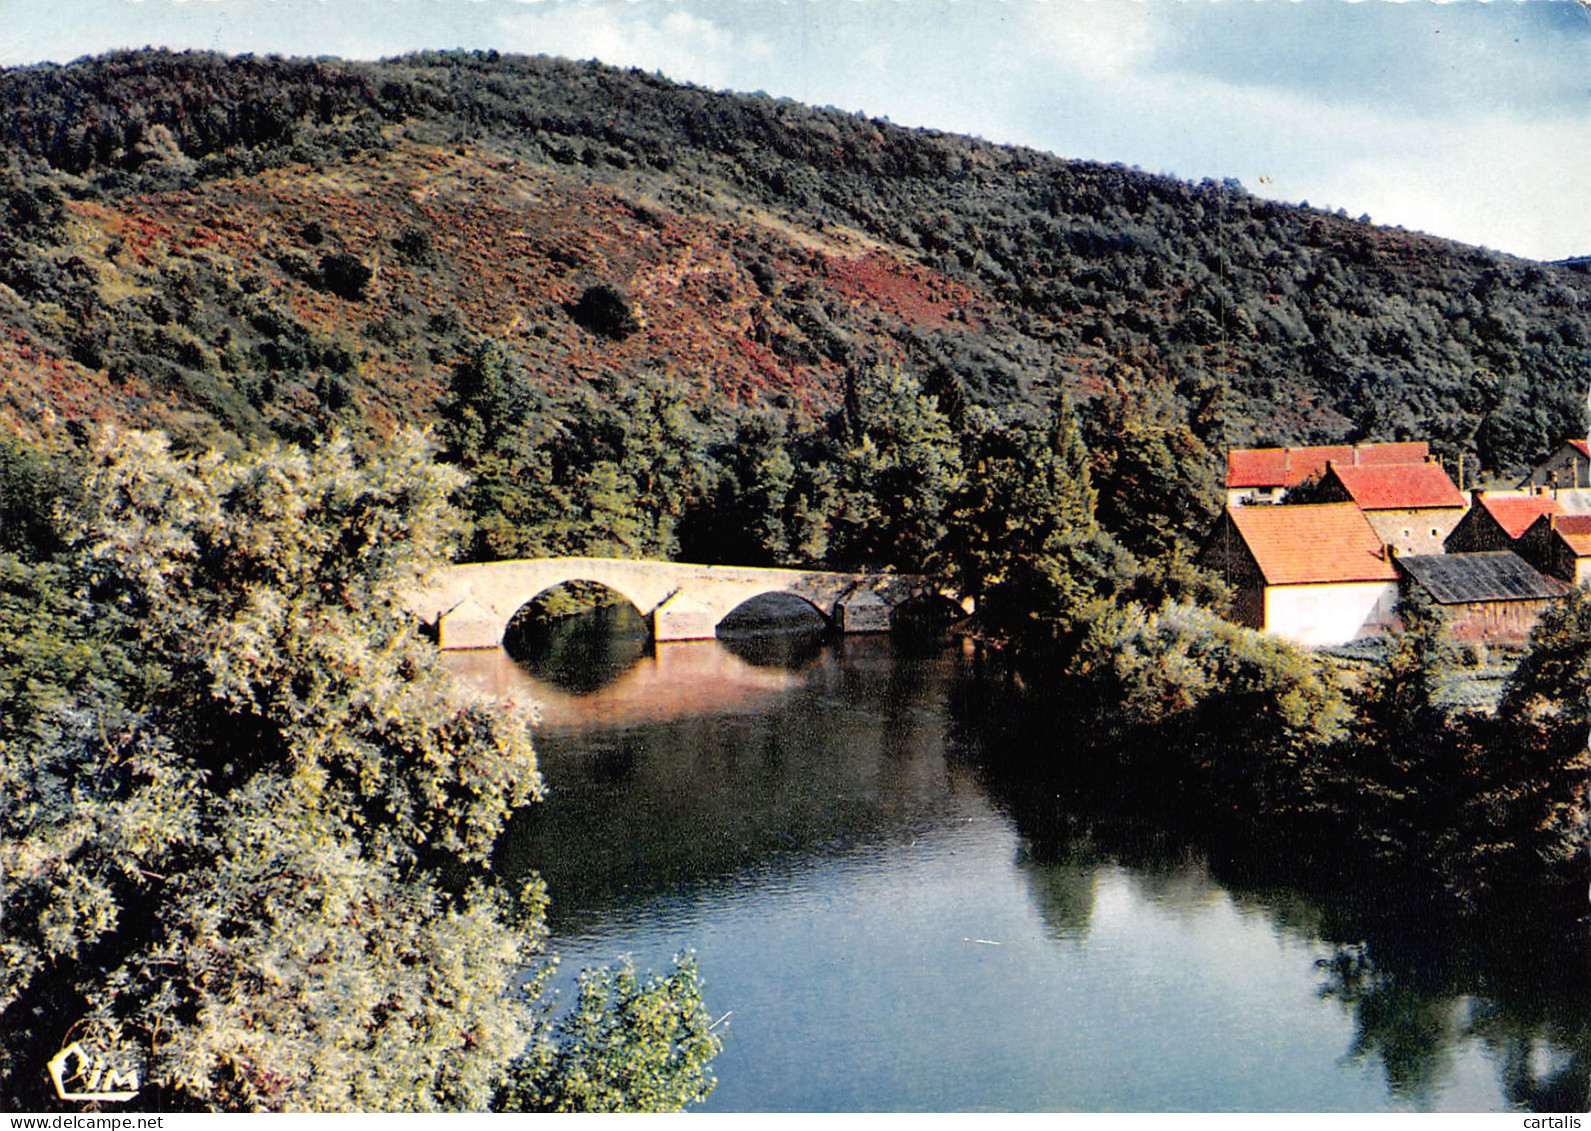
1156	480
1021	536
246	824
33	483
1237	718
486	401
898	463
627	1045
1397	776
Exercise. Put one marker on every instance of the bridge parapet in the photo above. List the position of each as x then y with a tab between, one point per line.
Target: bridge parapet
471	605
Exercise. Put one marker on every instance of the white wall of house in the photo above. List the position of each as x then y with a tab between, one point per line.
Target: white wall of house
1243	496
1321	615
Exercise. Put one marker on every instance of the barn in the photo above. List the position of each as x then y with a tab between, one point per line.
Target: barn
1495	595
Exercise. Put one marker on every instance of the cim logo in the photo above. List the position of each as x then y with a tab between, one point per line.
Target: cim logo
84	1079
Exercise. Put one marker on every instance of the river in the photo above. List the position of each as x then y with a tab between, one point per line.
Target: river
886	923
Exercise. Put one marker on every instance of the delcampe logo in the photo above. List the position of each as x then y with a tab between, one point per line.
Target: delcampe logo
86	1079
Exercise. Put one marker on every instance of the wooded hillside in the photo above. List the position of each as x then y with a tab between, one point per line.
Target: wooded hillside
256	246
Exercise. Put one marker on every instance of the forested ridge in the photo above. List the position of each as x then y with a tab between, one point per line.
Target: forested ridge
347	231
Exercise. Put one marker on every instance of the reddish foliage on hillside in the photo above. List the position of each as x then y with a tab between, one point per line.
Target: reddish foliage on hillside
731	304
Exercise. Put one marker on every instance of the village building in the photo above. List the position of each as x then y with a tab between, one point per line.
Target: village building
1494	595
1570	500
1412	507
1560	545
1496	519
1314	574
1265	475
1569	466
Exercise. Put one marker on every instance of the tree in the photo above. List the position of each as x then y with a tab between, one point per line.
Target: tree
247	831
898	463
1021	537
1397	776
1527	821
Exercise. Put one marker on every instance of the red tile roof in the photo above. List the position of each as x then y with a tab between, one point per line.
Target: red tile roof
1407	486
1515	513
1582	447
1315	544
1575	530
1288	467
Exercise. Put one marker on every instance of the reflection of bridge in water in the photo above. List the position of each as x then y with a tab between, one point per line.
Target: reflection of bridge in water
661	684
471	605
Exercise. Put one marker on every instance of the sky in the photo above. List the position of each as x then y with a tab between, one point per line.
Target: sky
1467	119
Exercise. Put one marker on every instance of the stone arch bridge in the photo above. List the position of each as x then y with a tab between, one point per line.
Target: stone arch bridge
470	605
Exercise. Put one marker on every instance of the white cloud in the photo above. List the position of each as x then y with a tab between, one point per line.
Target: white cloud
1090	37
684	46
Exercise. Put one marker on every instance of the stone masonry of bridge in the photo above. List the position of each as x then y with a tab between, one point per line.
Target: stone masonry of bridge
470	605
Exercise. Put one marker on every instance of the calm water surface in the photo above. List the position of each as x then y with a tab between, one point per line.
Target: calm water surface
884	931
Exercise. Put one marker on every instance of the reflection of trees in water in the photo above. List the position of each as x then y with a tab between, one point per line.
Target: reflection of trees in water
1060	881
669	804
1416	991
1537	1074
1543	1049
1409	1028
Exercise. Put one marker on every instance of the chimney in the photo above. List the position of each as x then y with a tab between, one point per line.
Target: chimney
1356	455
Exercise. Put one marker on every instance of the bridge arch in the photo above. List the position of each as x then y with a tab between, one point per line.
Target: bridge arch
572	583
540	612
471	605
776	607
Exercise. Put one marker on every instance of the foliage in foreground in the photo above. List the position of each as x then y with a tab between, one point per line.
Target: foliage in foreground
246	820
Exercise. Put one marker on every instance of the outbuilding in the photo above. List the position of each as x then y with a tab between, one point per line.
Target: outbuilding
1560	545
1497	519
1265	475
1487	596
1569	466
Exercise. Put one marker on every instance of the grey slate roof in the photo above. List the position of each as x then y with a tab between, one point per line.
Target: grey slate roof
1457	579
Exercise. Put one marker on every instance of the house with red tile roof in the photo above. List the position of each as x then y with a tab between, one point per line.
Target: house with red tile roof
1569	466
1264	475
1560	545
1496	519
1412	507
1314	574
